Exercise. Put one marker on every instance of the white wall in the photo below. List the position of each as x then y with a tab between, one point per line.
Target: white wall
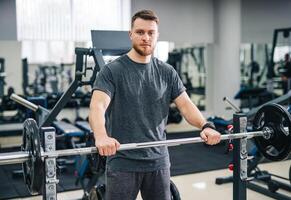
11	52
224	66
183	21
7	20
192	20
10	49
261	17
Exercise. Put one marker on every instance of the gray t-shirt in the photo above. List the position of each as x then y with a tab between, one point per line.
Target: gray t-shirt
140	97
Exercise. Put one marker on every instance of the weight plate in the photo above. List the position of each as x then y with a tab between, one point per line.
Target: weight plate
175	195
276	117
33	169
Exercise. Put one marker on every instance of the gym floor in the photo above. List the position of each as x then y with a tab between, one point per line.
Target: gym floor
202	185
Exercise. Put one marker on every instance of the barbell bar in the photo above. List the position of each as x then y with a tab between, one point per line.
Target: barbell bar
24	102
13	157
21	156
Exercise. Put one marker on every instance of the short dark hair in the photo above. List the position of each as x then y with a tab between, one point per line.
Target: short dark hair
146	15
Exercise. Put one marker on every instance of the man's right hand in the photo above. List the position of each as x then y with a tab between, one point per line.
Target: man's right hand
107	146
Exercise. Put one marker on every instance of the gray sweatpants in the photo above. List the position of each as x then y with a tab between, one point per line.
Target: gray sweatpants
126	185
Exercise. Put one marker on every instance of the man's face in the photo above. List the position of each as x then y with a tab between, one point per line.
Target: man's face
144	35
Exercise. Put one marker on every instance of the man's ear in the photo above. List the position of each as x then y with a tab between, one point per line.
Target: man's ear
130	34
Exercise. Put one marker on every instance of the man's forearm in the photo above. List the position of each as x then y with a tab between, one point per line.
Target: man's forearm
97	121
189	110
193	115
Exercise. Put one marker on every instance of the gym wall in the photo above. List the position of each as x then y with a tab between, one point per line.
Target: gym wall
11	51
8	20
260	18
192	20
182	22
10	48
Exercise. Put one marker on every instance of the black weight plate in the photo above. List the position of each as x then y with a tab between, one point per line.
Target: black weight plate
175	195
100	190
96	193
275	117
33	170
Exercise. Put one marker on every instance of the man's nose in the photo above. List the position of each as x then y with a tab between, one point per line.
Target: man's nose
146	36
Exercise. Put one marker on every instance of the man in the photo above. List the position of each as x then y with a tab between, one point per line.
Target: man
130	104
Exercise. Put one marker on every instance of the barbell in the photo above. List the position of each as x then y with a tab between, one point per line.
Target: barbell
272	125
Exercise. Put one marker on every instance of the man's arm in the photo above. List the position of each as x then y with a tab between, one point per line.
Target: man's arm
194	117
98	106
189	111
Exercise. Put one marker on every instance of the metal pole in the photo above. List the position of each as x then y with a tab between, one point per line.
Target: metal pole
20	157
130	146
239	159
13	157
231	104
24	102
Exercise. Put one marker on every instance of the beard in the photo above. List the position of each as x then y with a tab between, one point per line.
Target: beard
143	51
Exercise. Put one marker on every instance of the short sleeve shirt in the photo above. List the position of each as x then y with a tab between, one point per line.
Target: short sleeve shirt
138	112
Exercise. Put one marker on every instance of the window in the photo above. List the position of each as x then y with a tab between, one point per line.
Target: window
162	50
50	29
